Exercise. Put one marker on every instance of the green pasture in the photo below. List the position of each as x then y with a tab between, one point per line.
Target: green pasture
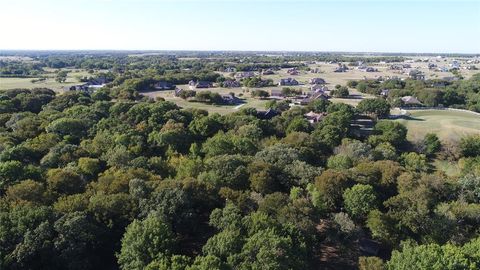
449	125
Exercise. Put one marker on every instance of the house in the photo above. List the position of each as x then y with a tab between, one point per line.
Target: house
292	71
416	74
268	72
313	117
245	74
409	100
288	82
396	67
78	87
341	68
305	100
443	69
231	99
455	64
199	84
362	67
384	92
319	88
203	84
162	85
432	66
317	81
319	95
231	83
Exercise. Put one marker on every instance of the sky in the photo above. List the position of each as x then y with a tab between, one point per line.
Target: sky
424	26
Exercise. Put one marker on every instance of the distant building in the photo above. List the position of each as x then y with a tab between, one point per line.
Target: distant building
78	87
341	68
319	88
231	83
162	85
292	71
317	81
455	64
268	72
199	84
288	82
245	74
231	99
396	67
313	117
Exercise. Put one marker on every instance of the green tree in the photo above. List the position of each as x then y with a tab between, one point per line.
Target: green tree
434	257
415	162
359	200
431	144
145	241
378	107
470	146
370	263
260	94
331	184
61	76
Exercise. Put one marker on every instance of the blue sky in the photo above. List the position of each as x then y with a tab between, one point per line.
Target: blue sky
360	26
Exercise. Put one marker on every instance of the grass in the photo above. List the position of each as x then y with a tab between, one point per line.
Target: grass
221	109
448	125
11	83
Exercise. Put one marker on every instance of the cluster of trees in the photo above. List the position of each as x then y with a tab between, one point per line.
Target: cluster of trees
19	69
259	93
86	183
340	91
291	92
456	94
376	107
111	180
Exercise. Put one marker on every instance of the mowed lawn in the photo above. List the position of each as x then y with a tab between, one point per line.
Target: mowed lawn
447	124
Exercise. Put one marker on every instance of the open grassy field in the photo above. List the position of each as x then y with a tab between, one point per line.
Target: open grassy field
11	83
447	124
242	93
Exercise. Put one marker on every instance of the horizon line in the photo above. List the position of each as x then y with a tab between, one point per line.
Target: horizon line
233	50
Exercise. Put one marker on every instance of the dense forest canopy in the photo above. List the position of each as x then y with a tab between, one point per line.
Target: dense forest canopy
112	179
